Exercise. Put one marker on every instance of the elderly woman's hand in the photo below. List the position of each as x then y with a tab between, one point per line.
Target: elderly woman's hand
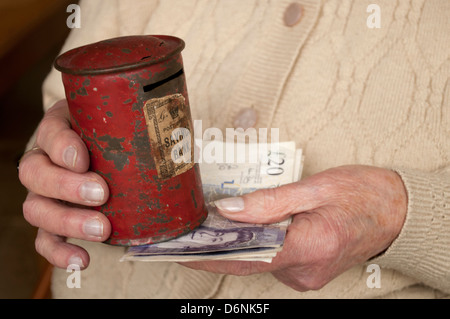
341	217
61	189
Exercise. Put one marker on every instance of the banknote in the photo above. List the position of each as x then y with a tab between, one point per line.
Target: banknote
219	238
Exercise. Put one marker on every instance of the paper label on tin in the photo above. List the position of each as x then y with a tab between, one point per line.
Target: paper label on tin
169	130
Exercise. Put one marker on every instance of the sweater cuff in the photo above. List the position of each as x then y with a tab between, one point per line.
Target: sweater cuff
422	248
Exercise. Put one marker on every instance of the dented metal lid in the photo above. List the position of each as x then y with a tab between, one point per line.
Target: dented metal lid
119	54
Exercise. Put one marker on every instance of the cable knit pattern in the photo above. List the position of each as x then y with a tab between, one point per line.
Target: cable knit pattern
347	94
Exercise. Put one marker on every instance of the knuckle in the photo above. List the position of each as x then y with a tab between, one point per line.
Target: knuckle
47	216
269	198
51	131
302	280
43	129
26	170
312	283
29	208
39	244
279	202
43	248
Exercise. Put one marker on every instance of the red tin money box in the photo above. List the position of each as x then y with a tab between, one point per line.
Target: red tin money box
128	101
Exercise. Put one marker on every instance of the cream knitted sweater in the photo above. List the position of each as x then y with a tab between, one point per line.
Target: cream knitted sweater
346	93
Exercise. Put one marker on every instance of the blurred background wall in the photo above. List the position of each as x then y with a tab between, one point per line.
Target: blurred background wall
31	35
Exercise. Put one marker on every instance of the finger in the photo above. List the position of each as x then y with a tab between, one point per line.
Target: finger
57	218
58	252
38	174
272	204
63	145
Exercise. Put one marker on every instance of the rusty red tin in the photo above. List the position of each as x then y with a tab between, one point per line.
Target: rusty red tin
128	101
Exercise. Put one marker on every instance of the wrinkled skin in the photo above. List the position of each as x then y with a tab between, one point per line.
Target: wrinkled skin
341	217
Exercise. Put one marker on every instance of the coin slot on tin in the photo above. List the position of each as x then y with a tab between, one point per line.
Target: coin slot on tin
149	87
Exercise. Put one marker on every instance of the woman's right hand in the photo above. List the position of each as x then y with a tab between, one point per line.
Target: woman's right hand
62	190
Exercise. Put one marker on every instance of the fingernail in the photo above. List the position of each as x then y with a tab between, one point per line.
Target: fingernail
70	156
93	227
92	192
76	260
231	204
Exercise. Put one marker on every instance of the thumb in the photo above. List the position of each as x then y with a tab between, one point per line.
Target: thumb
269	205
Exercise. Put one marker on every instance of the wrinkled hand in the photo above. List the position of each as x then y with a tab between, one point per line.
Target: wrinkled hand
61	189
341	217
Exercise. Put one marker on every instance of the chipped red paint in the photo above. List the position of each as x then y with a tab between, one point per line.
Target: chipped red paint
106	85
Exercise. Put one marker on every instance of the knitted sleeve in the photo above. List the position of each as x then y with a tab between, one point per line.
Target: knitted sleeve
422	249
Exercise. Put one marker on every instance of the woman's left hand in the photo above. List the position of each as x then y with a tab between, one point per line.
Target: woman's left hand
341	217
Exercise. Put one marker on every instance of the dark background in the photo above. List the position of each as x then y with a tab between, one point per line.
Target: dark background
31	35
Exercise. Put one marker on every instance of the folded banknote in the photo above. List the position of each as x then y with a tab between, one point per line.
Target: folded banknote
219	238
